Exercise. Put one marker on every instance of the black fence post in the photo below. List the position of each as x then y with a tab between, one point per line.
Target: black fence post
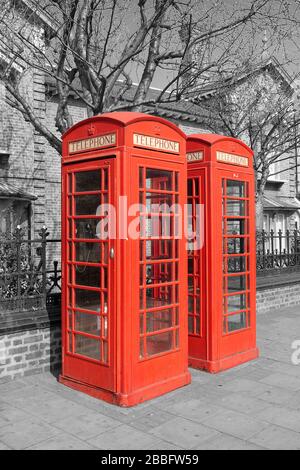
19	236
43	233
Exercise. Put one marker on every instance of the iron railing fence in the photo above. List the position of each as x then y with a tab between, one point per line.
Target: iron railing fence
30	275
278	251
28	282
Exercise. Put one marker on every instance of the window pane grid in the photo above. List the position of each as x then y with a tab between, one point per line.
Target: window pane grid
236	256
158	267
87	266
194	260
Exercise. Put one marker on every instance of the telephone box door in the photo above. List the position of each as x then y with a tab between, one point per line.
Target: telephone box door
88	274
238	277
197	318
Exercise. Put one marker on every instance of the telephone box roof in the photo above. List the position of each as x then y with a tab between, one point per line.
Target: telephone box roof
212	139
126	118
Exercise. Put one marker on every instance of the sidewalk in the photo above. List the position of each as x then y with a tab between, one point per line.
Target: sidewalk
254	406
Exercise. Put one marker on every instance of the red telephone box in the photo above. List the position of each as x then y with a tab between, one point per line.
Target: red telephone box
222	269
124	291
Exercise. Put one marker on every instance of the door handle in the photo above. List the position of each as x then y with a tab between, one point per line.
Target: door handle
112	253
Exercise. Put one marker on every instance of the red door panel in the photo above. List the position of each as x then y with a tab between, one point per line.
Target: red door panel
88	275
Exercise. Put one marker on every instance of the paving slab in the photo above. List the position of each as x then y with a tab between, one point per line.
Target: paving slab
288	382
226	442
124	438
184	433
278	438
87	425
235	424
62	442
253	406
281	416
23	434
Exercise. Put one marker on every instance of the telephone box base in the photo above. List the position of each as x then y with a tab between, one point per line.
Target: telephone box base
213	367
131	399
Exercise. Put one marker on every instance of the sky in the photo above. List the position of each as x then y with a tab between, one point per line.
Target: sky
286	47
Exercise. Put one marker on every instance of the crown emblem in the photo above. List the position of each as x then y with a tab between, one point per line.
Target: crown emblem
91	130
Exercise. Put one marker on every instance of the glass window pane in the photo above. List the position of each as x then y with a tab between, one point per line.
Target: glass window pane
197	312
159	249
156	202
158	226
235	303
191	324
105	171
105	352
88	323
87	299
176	180
142	350
236	264
191	304
160	272
141	324
70	341
87	204
159	320
87	228
159	296
197	325
87	347
236	227
141	177
236	246
159	343
70	320
88	181
88	252
236	188
236	322
236	283
159	179
87	276
237	208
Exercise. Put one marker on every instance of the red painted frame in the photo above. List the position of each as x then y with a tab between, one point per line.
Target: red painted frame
129	379
216	348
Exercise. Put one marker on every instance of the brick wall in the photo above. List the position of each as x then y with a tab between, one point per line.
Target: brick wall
272	298
29	352
39	350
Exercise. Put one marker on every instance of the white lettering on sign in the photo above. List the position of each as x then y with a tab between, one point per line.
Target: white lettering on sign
194	156
232	159
92	143
156	143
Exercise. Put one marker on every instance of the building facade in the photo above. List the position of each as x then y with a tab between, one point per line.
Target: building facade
30	168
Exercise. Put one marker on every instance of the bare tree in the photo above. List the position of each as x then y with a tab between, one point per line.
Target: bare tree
96	48
262	109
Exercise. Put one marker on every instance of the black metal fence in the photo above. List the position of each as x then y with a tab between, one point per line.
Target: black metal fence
30	274
29	279
278	251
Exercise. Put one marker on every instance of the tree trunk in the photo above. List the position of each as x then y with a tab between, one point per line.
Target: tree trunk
259	211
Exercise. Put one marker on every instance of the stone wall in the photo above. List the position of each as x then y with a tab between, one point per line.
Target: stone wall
35	350
276	297
30	352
